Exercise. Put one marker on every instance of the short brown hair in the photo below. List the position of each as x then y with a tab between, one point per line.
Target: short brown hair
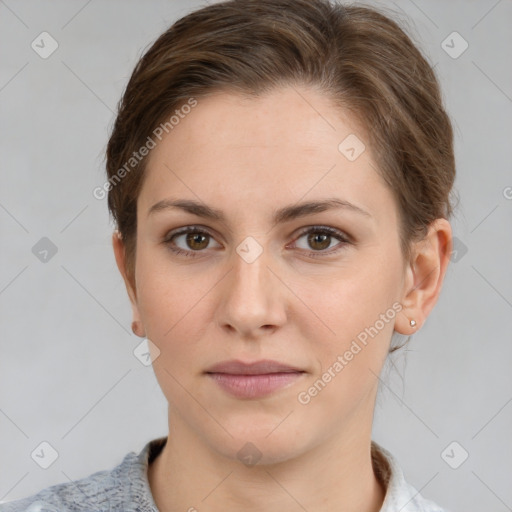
359	57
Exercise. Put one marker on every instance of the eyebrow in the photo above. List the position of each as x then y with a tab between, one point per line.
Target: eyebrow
282	215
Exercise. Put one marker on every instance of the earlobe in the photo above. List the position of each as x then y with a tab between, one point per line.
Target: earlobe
424	277
119	253
138	329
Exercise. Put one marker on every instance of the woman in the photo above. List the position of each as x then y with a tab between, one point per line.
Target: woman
279	172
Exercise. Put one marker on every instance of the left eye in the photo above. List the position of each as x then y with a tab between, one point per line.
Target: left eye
319	239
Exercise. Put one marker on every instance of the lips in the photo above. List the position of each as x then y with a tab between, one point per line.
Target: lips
255	380
263	367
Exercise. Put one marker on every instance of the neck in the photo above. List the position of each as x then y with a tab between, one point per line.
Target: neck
188	475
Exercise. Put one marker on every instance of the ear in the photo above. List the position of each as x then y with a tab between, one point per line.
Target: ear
120	255
424	276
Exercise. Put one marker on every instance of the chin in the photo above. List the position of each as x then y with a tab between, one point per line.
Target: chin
257	444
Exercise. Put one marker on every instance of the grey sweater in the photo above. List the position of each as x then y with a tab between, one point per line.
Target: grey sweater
125	488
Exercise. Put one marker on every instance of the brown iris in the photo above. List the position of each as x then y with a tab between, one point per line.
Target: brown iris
197	238
323	239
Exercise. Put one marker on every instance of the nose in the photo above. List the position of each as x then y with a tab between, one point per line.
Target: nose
252	298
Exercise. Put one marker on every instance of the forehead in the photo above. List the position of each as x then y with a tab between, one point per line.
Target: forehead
284	119
288	144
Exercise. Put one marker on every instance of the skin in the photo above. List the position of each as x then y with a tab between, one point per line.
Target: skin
249	157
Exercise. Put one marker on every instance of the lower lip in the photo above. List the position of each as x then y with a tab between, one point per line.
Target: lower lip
254	386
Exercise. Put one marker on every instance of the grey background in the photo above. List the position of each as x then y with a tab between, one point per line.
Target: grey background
68	374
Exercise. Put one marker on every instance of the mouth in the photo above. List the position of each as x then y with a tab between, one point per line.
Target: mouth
253	380
265	366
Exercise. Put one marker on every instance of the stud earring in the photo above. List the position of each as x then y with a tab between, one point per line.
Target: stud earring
413	323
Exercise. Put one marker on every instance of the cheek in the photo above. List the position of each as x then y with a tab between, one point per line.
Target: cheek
354	295
174	317
357	308
173	304
168	308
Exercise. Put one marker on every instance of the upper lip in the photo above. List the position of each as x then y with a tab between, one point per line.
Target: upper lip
236	367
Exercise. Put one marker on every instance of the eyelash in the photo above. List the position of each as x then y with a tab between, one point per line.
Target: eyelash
325	230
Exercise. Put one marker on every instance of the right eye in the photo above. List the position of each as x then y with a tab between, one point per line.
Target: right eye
195	240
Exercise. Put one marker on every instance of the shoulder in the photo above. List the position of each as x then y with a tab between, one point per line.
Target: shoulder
123	488
94	492
399	494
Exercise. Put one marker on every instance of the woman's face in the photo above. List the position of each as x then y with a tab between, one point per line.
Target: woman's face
263	279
